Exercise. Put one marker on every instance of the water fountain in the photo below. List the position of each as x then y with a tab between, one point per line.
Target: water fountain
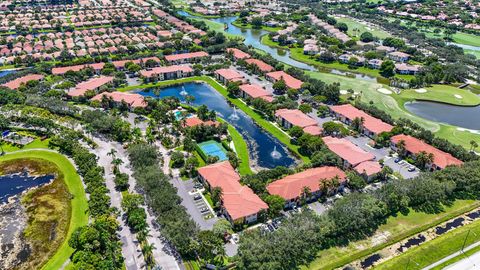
275	154
234	115
183	92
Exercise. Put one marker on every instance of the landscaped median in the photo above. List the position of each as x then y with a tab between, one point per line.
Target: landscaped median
265	124
396	229
79	203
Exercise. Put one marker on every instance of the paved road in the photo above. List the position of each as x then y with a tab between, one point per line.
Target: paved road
469	263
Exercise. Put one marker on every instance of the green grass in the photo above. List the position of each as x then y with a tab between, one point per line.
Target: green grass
36	144
265	124
354	25
208	198
193	13
467	39
397	228
241	149
201	162
79	204
444	94
430	252
458	258
476	53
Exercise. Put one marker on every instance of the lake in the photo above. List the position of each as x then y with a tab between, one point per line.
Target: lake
260	143
13	184
465	117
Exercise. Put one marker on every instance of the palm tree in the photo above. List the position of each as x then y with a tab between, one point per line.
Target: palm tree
401	148
306	193
147	250
112	153
473	145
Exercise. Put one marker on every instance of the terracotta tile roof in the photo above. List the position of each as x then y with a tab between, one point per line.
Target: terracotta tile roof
181	56
291	186
264	67
195	121
91	84
313	130
254	90
414	145
296	118
290	81
134	100
168	69
239	201
238	54
347	150
63	70
371	123
368	167
229	74
14	84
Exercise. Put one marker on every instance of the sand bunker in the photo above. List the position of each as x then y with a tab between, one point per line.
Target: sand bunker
421	90
458	96
343	92
384	91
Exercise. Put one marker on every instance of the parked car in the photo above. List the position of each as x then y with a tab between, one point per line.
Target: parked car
197	197
235	238
397	160
411	168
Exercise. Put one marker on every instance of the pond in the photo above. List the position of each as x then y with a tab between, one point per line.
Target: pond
260	143
465	117
253	37
5	72
13	184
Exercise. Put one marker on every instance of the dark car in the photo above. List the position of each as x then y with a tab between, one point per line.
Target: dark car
397	160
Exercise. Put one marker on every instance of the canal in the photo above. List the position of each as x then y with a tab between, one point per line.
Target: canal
260	143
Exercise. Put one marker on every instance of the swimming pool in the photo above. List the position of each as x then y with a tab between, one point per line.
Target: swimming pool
213	148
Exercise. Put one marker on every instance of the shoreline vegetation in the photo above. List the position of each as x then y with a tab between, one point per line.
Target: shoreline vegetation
54	210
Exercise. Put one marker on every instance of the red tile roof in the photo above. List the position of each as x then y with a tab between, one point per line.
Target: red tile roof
254	90
264	67
290	81
296	118
181	56
238	54
229	74
63	70
347	150
195	121
238	200
368	168
167	69
313	130
291	186
91	84
14	84
371	123
414	145
134	100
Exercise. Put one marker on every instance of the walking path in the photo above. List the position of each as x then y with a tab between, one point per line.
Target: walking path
469	263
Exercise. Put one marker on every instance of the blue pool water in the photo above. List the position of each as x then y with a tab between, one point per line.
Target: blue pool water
260	143
13	184
213	148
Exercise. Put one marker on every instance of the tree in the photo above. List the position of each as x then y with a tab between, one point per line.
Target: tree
342	27
305	108
121	181
422	159
217	194
366	37
296	132
355	181
177	159
209	246
473	145
305	195
222	227
275	205
357	123
401	147
387	69
257	22
282	39
325	157
233	88
280	86
233	159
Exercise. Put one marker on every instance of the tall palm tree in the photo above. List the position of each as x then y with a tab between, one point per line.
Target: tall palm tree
473	145
147	250
112	153
401	148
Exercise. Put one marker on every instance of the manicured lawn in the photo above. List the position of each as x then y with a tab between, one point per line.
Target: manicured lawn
395	229
458	258
36	144
193	13
79	204
265	124
241	150
435	250
356	28
445	94
465	38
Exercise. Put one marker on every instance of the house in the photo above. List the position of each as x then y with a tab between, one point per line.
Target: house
195	121
345	58
404	68
238	54
375	63
254	91
351	154
310	49
226	75
94	84
398	56
289	118
239	203
166	73
185	57
371	126
368	169
132	100
15	84
262	66
290	81
291	187
413	146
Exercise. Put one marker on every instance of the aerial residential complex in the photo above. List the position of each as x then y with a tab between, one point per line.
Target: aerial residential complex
144	134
